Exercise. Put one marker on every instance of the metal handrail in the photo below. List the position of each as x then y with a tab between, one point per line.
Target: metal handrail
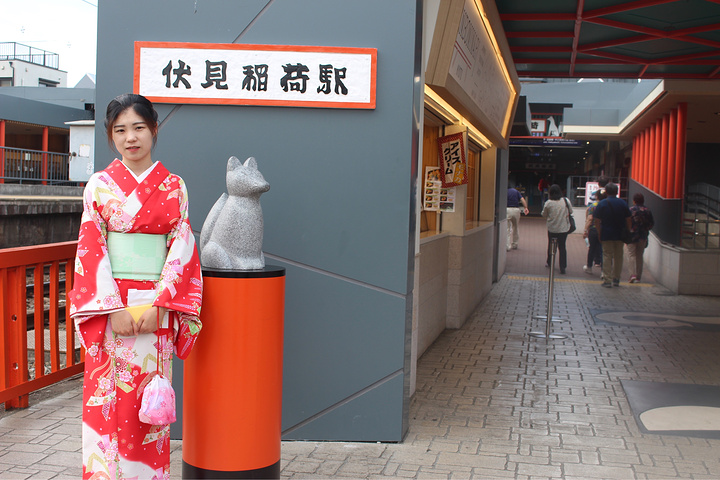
38	264
26	53
701	219
19	165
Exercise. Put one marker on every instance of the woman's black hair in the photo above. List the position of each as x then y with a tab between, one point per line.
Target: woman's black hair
141	105
639	199
555	192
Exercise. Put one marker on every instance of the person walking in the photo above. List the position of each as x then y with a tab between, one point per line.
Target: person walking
590	234
611	215
515	199
556	211
641	219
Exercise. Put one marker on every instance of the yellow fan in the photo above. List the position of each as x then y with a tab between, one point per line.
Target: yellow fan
137	311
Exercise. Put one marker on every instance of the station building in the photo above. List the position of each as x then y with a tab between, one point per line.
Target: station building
387	212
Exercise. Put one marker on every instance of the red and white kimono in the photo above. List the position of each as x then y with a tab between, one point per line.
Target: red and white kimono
116	445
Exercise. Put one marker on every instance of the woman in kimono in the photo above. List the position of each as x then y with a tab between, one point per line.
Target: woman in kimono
136	262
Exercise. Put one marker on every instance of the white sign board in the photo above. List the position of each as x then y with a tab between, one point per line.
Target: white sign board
240	74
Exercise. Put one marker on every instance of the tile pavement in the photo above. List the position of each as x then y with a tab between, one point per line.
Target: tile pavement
492	402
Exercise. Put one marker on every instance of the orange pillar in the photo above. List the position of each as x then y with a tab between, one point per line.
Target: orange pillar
648	157
672	154
45	146
232	395
641	156
651	159
2	151
680	149
662	186
633	159
658	153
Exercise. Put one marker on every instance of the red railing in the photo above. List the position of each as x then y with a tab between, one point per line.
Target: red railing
34	282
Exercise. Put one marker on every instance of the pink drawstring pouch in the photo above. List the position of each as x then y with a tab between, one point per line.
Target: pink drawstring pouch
158	401
158	397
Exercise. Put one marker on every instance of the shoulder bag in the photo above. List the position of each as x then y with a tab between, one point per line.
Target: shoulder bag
570	216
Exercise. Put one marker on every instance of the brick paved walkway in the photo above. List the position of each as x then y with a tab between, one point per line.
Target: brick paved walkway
491	401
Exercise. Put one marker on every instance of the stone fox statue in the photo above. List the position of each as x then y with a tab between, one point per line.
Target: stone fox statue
232	235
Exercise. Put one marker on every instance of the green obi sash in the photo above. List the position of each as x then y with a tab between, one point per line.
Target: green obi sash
137	256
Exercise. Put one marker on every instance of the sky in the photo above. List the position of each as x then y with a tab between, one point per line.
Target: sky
65	27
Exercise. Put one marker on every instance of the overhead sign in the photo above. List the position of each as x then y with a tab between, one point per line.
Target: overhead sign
545	142
238	74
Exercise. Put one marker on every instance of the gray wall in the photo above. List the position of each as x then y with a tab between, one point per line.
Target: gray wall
339	214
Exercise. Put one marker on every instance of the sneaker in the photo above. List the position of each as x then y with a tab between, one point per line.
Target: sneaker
514	247
607	284
616	282
587	269
634	279
562	270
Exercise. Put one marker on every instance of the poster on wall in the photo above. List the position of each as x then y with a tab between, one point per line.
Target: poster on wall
453	163
437	198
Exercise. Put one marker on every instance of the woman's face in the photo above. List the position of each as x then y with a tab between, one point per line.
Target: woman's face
133	139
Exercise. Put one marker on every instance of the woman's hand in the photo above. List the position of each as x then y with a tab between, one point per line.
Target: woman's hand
148	322
122	323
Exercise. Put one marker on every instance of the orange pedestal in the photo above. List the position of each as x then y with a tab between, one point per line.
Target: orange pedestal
232	396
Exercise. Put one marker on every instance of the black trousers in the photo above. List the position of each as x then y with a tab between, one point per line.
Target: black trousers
562	251
595	251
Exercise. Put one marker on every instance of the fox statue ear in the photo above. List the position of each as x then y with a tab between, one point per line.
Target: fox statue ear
250	162
233	163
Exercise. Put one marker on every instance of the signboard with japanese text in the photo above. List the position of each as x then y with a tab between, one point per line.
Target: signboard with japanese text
470	66
537	127
239	74
436	197
453	164
591	188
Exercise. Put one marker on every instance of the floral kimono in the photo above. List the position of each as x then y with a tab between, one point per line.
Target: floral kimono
116	445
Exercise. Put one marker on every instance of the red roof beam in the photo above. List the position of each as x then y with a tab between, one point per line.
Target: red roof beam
537	17
654	32
615	43
699	41
626	26
614	56
624	7
540	49
564	61
562	74
576	34
526	34
680	59
689	31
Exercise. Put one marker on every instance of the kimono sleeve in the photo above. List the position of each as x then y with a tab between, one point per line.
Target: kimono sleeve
94	289
94	292
180	285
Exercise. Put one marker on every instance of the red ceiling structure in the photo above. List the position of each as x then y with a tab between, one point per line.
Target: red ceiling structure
613	39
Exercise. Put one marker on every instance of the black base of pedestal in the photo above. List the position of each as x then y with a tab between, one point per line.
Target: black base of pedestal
190	472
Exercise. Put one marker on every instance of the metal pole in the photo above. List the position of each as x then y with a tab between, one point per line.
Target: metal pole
549	317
